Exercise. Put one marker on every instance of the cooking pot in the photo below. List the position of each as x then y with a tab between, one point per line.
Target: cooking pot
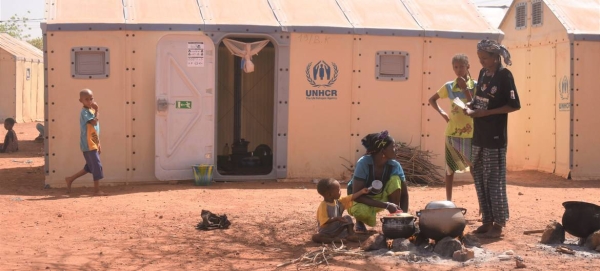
398	225
439	223
440	204
581	218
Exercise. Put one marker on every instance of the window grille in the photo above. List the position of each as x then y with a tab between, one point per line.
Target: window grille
521	16
391	65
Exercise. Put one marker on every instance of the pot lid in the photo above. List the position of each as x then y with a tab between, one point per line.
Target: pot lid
400	215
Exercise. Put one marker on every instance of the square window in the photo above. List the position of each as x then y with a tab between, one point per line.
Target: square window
391	66
90	62
521	16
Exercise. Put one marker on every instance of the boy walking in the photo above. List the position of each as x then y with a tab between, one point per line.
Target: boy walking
89	141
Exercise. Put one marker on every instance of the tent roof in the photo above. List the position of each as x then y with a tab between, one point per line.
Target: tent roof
20	49
580	18
456	18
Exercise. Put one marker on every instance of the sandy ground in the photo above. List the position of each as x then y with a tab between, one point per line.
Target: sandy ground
152	227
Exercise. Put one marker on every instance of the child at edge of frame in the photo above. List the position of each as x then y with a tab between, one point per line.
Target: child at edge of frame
11	143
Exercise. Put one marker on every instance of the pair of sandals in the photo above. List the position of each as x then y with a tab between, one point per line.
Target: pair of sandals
212	221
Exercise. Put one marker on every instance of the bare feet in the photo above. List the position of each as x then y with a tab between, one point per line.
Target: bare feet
494	232
484	228
99	193
69	181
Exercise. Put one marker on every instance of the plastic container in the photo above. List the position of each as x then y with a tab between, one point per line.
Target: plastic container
203	174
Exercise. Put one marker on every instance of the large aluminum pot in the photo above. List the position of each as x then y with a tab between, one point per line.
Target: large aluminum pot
439	223
398	226
581	218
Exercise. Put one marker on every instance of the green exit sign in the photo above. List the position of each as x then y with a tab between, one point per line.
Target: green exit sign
183	104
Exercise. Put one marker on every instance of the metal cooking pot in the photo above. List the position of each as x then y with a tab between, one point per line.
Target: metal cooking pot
439	223
440	204
581	218
402	226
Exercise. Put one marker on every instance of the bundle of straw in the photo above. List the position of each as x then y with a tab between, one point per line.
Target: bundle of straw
416	164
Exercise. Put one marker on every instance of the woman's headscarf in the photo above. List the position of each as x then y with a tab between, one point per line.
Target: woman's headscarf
376	142
491	46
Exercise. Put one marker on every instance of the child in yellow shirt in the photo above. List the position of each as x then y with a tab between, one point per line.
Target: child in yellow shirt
331	225
459	129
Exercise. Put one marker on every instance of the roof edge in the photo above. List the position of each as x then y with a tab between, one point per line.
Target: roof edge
584	37
496	34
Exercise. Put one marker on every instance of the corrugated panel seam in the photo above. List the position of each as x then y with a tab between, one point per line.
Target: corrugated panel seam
205	13
279	14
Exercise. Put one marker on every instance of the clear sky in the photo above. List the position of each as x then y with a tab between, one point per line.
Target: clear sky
9	8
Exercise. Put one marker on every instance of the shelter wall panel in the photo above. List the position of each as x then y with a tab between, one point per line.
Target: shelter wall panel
38	74
319	129
86	11
563	117
21	101
514	37
586	125
389	105
64	108
551	31
165	12
518	122
438	68
224	99
358	81
26	93
541	115
7	86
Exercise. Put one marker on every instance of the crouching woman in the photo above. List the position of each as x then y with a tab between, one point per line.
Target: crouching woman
377	164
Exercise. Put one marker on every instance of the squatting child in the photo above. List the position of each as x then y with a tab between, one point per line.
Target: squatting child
11	143
332	226
89	141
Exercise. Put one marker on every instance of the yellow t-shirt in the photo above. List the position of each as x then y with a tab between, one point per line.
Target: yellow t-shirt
460	124
336	208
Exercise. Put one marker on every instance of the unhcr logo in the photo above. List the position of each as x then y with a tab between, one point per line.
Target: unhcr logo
321	76
563	88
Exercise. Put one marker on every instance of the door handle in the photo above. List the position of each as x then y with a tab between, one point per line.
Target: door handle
162	105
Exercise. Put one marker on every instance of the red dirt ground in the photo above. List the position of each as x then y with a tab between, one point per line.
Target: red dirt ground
151	227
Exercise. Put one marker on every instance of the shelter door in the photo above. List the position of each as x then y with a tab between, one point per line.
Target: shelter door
184	122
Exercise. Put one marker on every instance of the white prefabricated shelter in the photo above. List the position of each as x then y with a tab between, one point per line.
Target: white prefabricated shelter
21	80
171	94
555	47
